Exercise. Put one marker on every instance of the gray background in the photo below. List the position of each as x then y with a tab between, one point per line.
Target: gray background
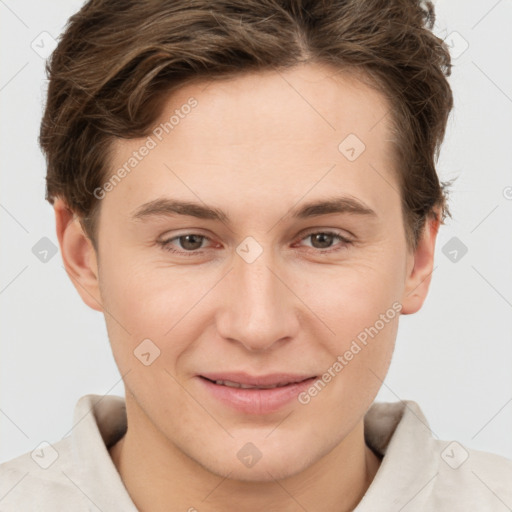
453	357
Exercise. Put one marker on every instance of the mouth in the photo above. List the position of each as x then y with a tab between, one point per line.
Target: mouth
241	385
254	395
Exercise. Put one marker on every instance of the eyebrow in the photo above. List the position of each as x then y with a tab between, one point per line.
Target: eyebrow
170	207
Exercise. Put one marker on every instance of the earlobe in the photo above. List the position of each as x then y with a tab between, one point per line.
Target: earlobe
78	255
421	267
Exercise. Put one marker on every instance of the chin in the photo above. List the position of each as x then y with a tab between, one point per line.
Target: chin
252	465
260	473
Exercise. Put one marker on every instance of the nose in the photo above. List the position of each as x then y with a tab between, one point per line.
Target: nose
258	307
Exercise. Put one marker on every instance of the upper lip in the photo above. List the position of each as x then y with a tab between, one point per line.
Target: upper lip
257	380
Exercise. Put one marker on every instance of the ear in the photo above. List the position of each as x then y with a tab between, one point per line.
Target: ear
78	255
420	268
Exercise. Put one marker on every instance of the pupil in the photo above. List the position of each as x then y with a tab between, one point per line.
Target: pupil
195	245
323	236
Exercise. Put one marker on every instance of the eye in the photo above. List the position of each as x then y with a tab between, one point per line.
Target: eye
190	242
322	240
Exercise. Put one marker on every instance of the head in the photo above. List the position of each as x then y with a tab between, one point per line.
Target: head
248	115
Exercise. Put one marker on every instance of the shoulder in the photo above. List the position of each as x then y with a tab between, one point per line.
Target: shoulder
41	480
421	473
469	479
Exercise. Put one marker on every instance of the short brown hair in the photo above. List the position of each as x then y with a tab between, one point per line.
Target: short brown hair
118	59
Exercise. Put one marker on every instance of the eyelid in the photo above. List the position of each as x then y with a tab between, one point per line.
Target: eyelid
168	237
168	240
343	242
333	231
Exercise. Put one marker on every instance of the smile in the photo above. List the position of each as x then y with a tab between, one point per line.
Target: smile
255	397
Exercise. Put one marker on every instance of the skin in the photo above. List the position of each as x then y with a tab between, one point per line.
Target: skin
256	146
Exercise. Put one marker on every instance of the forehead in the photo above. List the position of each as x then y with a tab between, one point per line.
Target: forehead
287	132
310	101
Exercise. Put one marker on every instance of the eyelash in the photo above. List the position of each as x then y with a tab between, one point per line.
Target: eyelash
165	244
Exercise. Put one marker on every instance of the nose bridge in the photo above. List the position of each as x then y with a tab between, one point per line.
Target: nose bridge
258	310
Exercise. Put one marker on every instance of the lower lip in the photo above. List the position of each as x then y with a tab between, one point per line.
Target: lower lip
256	401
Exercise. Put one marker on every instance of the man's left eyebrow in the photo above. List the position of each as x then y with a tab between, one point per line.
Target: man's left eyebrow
340	204
170	207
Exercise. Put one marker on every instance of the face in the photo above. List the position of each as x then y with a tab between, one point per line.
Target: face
292	266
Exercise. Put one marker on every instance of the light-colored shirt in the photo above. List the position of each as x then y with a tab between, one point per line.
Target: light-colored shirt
417	472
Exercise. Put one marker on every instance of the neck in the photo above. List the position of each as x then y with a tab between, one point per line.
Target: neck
158	476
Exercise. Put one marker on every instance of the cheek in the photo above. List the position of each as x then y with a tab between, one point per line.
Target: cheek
156	305
363	313
355	297
361	307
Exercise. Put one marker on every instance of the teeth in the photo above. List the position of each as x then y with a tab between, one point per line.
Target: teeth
247	386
